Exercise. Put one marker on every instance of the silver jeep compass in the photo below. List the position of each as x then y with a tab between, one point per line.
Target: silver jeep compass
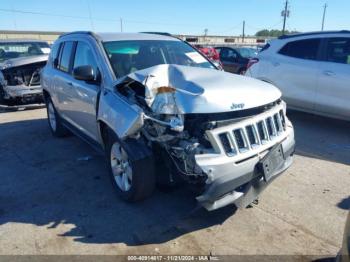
163	113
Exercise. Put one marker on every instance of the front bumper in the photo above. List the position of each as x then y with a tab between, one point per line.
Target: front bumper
238	179
21	91
243	189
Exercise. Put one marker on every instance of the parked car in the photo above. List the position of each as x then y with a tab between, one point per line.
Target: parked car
344	254
20	64
209	52
162	112
235	60
312	70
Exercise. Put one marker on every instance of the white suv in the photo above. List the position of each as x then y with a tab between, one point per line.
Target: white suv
312	70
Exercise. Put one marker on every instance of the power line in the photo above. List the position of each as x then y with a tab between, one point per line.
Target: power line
120	20
95	18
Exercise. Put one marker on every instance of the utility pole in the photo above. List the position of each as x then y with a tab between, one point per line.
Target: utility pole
121	24
324	15
243	31
285	14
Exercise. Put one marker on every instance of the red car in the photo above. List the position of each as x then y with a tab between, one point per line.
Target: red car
209	52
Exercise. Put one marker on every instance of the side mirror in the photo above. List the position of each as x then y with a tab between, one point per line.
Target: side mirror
84	73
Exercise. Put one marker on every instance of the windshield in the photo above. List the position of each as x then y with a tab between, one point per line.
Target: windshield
129	56
248	52
10	50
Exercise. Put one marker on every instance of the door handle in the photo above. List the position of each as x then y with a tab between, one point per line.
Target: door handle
275	63
329	73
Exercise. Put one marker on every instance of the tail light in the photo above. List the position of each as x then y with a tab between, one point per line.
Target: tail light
252	62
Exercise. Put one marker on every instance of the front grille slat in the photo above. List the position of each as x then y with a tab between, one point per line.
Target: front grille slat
254	134
278	123
283	120
269	125
251	134
227	145
241	140
262	132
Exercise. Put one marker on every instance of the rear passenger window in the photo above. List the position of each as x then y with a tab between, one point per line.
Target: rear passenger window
65	57
54	51
338	50
304	49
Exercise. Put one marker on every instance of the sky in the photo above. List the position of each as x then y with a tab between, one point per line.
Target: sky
220	17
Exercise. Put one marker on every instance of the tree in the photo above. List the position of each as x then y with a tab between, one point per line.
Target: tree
273	33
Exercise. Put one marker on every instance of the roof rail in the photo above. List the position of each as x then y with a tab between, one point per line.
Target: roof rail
158	33
314	33
81	32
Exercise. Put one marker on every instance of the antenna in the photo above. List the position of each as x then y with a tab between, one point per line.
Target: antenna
90	16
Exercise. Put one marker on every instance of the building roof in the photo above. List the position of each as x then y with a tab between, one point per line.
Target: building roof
22	40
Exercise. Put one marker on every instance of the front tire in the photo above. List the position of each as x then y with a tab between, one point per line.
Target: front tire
132	174
55	122
242	71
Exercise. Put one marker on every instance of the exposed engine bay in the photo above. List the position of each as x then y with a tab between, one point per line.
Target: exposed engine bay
28	75
20	82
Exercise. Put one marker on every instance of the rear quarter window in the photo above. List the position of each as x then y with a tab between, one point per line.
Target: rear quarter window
303	49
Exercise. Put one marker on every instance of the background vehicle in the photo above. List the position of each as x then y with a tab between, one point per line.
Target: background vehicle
20	64
152	102
235	60
312	70
210	52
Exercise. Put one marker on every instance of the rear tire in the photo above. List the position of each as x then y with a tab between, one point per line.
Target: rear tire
131	168
55	122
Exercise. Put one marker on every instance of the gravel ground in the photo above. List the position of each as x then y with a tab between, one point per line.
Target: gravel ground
56	198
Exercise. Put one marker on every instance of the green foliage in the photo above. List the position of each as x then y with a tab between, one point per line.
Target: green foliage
273	33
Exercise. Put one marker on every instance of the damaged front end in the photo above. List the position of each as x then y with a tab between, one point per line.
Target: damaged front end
192	118
20	80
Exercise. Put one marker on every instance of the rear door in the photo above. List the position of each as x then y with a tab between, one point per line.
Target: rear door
63	80
333	90
294	70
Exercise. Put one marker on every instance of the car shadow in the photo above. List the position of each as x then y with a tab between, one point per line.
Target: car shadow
344	203
321	137
62	185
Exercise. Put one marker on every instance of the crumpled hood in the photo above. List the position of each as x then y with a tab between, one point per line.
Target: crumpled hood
22	61
202	90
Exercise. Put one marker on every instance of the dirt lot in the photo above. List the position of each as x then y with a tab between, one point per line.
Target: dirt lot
54	200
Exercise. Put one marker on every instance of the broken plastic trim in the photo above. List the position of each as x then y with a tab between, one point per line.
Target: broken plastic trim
175	123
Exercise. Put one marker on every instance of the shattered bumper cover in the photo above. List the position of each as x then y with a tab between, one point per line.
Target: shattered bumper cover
226	189
239	177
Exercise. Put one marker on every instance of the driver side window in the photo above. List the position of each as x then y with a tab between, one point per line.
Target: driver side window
84	56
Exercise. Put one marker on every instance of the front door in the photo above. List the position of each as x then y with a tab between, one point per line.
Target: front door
84	94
